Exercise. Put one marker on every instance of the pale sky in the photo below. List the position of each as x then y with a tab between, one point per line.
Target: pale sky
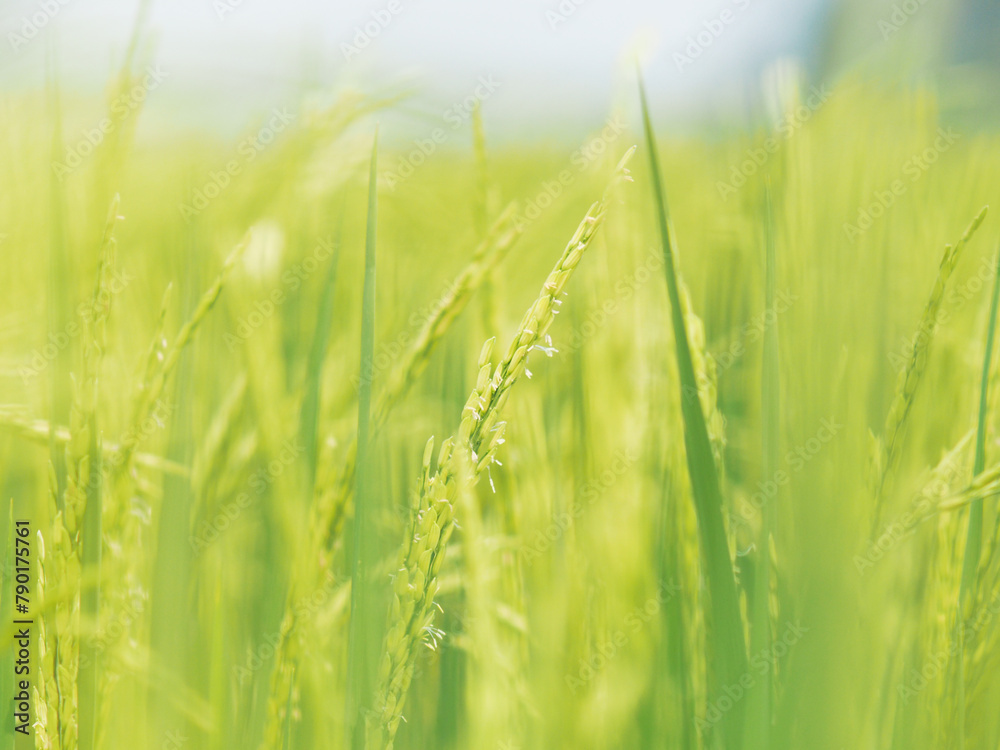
558	64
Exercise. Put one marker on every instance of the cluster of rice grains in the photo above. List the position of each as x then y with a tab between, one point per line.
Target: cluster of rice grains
460	462
91	515
333	492
67	691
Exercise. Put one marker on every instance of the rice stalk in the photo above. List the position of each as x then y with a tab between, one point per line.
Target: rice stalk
155	352
362	638
124	526
705	374
42	432
461	461
335	502
76	526
974	532
208	467
983	485
886	449
313	134
59	272
485	651
678	563
91	537
153	388
760	712
456	694
988	574
727	641
414	586
309	415
487	256
153	361
332	503
973	544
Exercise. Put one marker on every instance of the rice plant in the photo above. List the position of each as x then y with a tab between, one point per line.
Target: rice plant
727	478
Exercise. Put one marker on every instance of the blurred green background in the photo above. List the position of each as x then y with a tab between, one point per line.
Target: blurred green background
573	610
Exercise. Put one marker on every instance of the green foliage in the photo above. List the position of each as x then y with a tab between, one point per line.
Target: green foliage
670	543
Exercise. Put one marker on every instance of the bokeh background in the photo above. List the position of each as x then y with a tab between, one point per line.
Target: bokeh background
561	66
185	293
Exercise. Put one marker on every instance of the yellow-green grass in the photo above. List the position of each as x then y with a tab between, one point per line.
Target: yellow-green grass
580	593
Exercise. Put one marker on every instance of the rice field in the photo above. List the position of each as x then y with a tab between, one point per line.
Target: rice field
646	441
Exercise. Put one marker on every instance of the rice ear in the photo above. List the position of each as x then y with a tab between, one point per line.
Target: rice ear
460	463
883	460
331	503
